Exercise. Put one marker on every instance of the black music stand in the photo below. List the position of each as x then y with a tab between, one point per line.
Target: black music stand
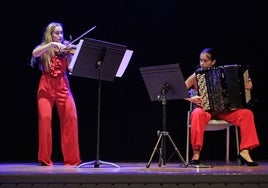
103	61
164	82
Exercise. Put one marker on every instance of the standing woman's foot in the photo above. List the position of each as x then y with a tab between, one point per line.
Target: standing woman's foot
45	163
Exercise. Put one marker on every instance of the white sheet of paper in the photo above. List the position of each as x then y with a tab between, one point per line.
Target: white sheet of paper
124	63
71	65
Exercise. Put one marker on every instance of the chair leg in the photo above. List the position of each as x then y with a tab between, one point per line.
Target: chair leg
187	144
237	144
227	145
188	137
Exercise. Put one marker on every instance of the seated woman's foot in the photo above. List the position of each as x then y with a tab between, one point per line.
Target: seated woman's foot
195	159
245	158
195	162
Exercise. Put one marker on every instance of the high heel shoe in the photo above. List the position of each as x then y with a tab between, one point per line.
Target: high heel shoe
244	161
195	159
195	162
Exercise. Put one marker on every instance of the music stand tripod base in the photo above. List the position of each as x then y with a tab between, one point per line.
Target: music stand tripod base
97	164
161	135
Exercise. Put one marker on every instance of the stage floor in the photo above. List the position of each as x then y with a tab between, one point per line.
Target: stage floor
133	174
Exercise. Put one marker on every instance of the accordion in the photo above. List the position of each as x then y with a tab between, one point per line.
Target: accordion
223	88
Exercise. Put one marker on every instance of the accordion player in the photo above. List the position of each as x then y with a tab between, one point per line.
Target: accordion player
222	88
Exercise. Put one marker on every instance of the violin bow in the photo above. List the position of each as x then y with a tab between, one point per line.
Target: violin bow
83	34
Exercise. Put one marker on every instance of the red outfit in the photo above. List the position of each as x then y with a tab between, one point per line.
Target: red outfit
243	118
54	89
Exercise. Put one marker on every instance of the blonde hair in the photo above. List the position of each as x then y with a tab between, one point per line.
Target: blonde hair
47	38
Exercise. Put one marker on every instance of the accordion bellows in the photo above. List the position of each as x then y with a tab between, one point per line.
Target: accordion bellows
223	88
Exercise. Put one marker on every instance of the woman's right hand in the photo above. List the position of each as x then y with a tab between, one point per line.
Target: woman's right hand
57	46
196	100
40	49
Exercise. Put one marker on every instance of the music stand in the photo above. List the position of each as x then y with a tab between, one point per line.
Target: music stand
103	61
164	82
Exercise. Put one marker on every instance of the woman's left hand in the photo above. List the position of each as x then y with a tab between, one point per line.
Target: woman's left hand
248	84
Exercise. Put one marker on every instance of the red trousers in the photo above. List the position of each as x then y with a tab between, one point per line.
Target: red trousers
56	91
243	118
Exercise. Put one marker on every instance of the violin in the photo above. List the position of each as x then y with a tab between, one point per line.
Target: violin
70	49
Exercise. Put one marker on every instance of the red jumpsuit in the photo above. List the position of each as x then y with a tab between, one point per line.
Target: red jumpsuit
243	118
53	90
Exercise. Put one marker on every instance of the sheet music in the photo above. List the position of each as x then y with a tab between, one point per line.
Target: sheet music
97	45
124	63
71	65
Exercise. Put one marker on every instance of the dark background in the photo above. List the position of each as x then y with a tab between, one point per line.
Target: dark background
159	32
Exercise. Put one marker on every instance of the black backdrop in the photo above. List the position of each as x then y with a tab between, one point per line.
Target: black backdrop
159	32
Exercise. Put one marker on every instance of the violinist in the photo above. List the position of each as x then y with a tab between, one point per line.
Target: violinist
54	90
